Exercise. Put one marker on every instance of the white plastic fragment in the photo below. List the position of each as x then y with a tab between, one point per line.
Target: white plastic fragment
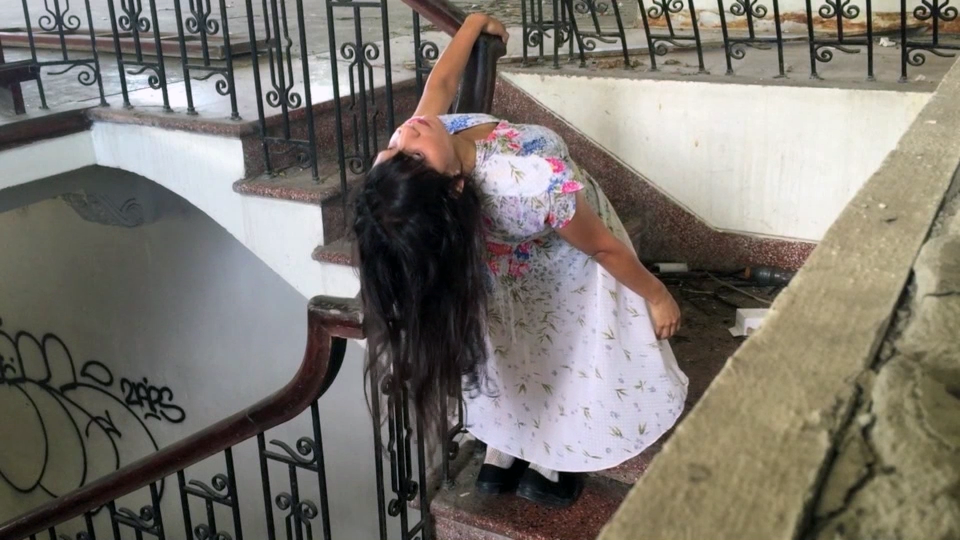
748	321
670	268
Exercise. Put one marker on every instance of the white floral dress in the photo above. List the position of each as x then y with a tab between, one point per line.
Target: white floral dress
577	380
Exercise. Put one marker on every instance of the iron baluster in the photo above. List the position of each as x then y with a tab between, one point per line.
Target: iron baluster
931	12
575	33
903	41
222	490
778	25
307	96
58	20
132	20
557	33
870	75
265	482
812	41
377	451
121	70
623	35
422	470
425	52
387	75
839	10
736	48
96	55
33	53
308	456
147	521
357	53
587	39
185	64
160	68
657	43
338	120
234	494
281	93
727	44
321	471
257	86
279	97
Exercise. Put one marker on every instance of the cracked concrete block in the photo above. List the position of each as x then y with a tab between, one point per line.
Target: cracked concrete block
912	488
853	465
936	307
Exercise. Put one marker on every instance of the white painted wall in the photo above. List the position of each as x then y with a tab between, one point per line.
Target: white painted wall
202	169
46	158
183	303
766	160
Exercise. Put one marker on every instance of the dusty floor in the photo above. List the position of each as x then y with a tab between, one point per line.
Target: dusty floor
708	308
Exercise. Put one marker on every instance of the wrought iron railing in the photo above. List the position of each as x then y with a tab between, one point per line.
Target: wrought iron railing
579	27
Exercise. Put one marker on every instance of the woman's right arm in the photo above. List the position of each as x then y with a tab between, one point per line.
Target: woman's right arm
441	87
587	232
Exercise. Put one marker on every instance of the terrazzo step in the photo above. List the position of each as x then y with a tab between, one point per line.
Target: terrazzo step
298	185
462	514
339	252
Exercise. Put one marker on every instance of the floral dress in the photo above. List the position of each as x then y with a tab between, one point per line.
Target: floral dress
577	380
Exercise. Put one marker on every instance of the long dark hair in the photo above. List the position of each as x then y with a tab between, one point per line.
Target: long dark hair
423	283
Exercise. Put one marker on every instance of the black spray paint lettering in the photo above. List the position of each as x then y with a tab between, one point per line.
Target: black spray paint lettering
83	418
155	400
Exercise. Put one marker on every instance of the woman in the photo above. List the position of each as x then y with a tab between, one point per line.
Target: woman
488	258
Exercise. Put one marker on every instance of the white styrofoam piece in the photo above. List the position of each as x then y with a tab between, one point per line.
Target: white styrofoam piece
667	268
748	320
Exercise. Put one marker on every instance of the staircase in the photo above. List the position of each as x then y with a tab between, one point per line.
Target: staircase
313	153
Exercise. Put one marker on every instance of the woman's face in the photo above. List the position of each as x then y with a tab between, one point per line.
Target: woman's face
426	139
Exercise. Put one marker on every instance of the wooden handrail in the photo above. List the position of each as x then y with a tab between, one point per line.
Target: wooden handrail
329	323
480	76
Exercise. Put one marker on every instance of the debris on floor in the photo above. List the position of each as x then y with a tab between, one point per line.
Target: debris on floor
748	321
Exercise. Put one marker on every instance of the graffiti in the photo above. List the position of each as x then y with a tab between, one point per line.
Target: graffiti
155	400
62	428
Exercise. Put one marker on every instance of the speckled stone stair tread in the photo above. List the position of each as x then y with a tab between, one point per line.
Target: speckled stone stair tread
461	513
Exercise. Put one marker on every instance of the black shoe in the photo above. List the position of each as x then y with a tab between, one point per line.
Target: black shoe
494	480
536	488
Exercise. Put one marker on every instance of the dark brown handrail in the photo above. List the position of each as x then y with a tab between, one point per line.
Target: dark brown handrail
329	323
480	76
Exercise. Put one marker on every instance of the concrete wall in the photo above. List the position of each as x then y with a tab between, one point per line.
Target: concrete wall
766	160
167	327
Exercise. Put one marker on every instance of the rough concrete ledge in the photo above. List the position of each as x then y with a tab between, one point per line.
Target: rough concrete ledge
753	458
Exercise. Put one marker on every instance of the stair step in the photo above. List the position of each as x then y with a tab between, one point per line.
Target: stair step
462	514
337	252
296	184
630	471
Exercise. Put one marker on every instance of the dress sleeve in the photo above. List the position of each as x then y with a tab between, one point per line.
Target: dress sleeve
561	195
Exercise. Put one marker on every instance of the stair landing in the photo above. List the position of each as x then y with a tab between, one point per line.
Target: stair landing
462	514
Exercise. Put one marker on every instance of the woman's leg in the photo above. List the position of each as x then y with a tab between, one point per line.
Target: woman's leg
500	472
498	459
